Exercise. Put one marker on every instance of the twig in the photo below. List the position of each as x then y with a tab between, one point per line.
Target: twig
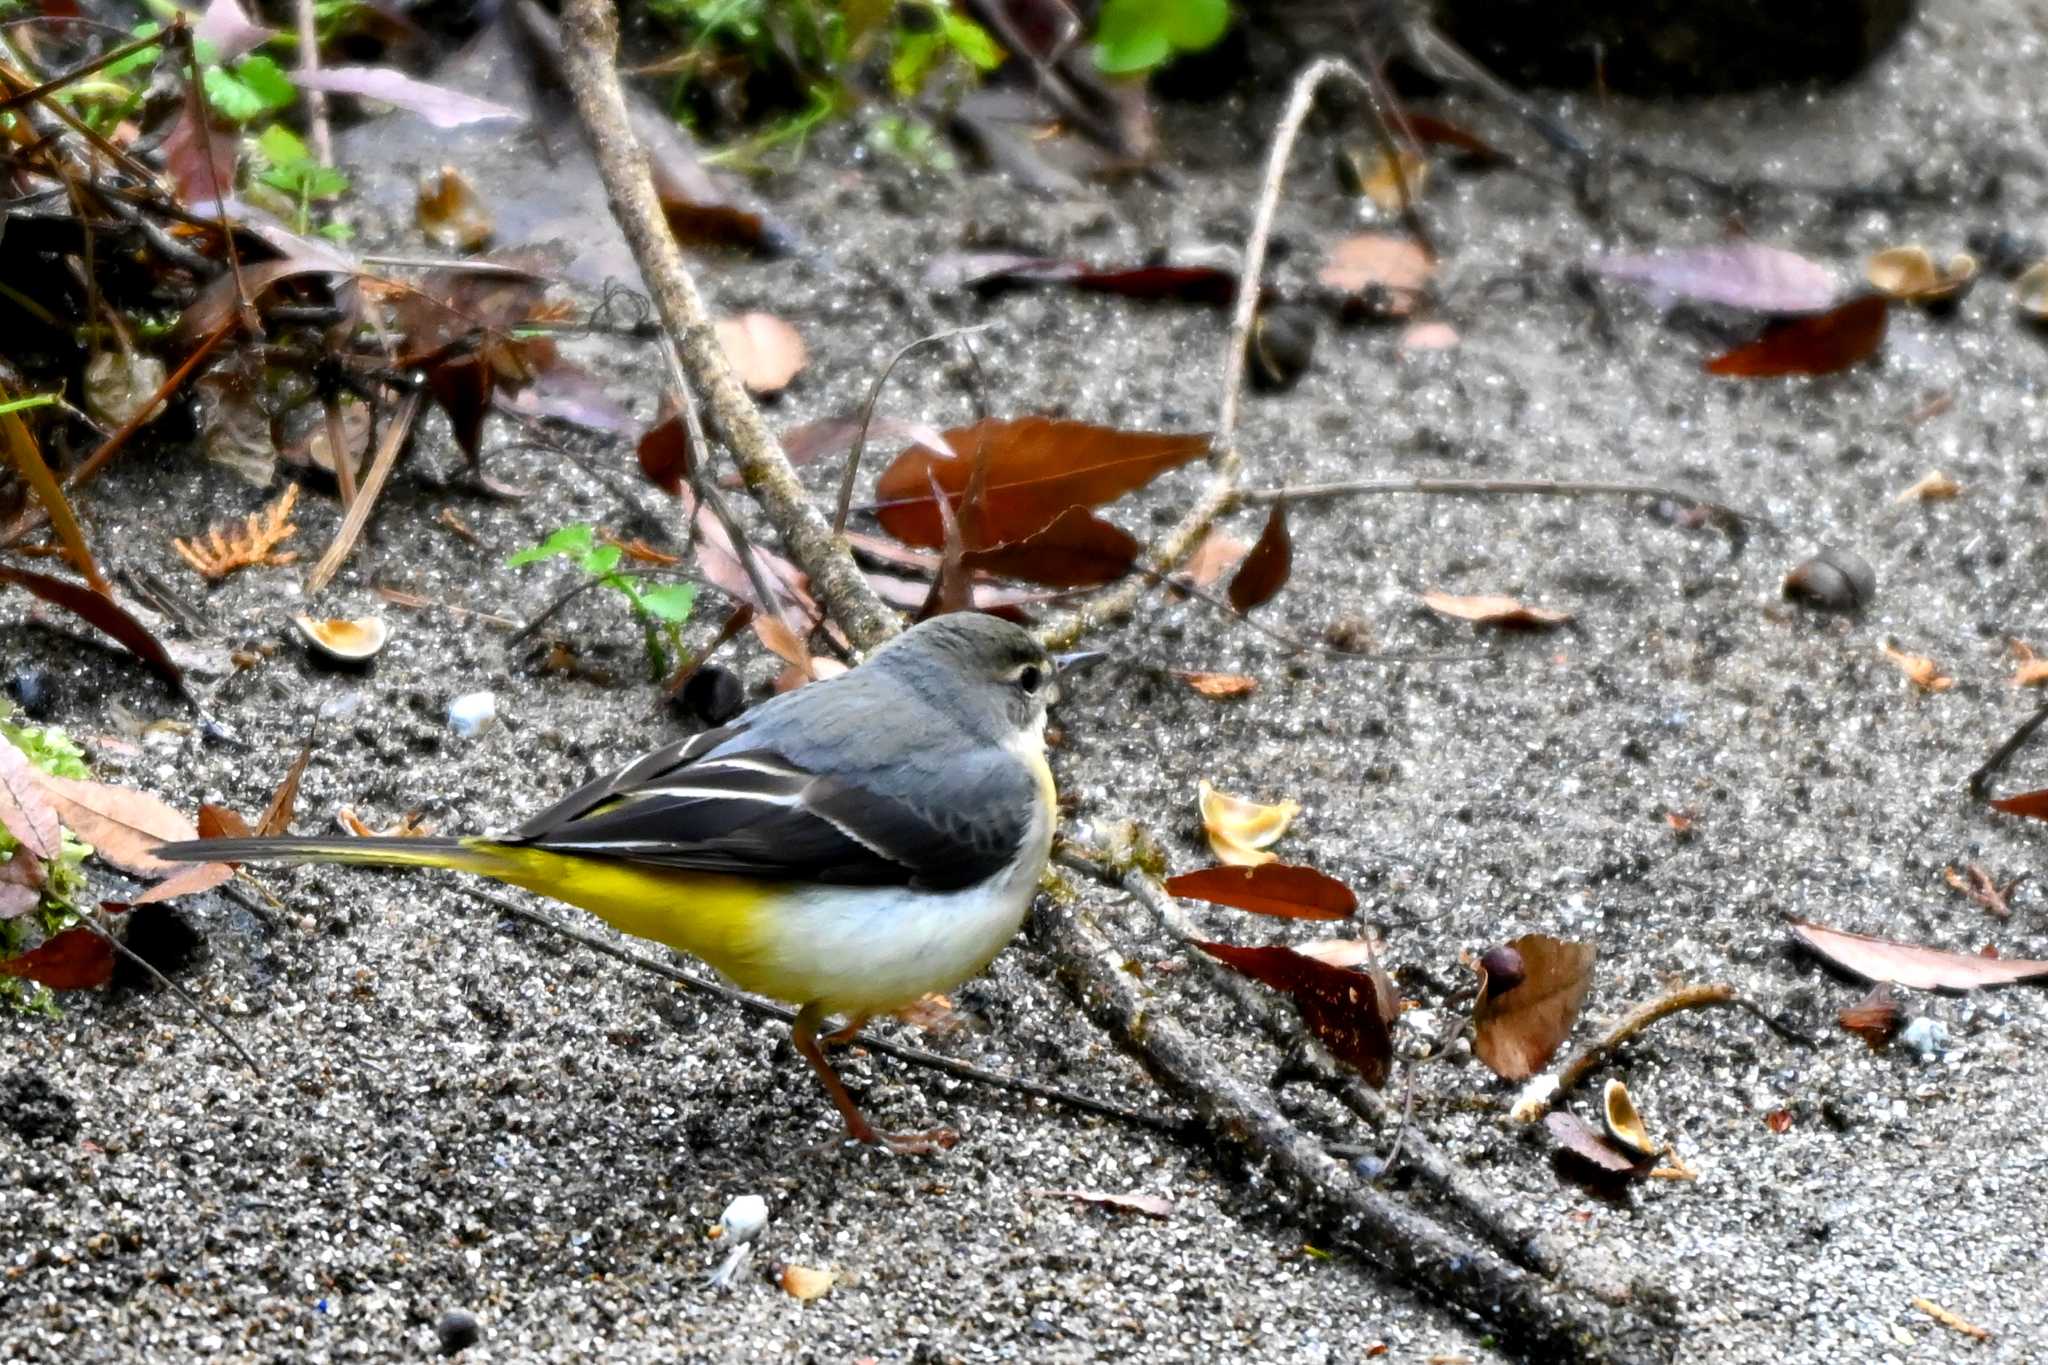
1534	1106
1536	1315
358	514
316	100
1487	488
589	55
867	415
179	34
204	1014
1174	545
1980	781
915	1056
706	488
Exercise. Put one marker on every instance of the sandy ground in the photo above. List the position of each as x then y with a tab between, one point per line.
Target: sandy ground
457	1111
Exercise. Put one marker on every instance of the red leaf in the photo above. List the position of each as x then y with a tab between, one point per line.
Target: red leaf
186	159
25	812
1518	1027
102	612
1264	571
665	450
1342	1008
1911	965
277	816
1278	889
1079	550
988	272
2033	805
218	822
1038	467
75	960
1821	344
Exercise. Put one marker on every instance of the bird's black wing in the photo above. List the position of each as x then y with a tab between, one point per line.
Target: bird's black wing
715	805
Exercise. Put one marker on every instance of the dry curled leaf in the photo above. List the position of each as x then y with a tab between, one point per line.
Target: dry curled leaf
1265	569
74	960
1349	1012
1912	965
1874	1018
1520	1019
1494	609
1278	889
2032	670
2033	805
407	826
1935	487
1822	343
1983	888
804	1283
1582	1140
1920	670
123	825
1219	686
450	212
1240	831
219	553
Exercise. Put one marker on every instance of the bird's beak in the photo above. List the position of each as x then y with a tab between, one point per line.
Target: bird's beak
1077	661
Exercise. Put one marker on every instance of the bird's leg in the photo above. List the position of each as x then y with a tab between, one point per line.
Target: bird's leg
840	1037
804	1033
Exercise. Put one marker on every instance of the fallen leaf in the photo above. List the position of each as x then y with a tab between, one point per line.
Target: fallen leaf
1341	952
1240	830
1935	487
1394	181
1911	965
1744	274
1779	1120
2033	671
1920	670
103	613
1151	1205
1983	888
1219	686
1078	550
75	960
123	825
1349	1012
218	822
1432	131
831	436
1218	553
639	551
1037	468
437	104
1588	1143
1389	273
25	811
451	214
187	882
664	450
2033	805
1278	889
765	351
1822	343
219	553
1494	609
1874	1018
1428	336
277	816
803	1283
1265	570
1518	1026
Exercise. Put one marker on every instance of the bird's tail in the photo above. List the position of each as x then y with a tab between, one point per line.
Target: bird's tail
464	855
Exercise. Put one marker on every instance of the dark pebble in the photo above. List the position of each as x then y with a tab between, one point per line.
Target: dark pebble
34	690
457	1329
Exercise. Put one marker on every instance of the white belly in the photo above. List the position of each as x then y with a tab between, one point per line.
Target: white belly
862	950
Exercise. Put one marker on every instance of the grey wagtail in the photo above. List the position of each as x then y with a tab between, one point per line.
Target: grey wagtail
850	847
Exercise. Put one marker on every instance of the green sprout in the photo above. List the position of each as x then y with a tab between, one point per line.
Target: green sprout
1133	36
64	881
662	609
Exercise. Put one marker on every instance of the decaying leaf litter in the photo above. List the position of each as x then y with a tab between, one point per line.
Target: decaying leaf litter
1511	866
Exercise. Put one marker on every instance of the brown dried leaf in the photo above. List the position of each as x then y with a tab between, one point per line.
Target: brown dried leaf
277	816
1822	343
1518	1027
1219	686
1037	468
1239	830
665	450
192	880
75	960
2032	671
1078	550
1920	670
1428	336
1936	487
1151	1205
1911	965
1588	1143
1874	1018
451	214
1279	889
1494	609
1347	1011
123	825
221	552
765	351
2033	805
25	810
218	822
1265	570
1983	888
103	613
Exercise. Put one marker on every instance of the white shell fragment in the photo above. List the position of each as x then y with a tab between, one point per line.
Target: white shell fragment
1624	1125
1910	274
340	640
472	713
744	1218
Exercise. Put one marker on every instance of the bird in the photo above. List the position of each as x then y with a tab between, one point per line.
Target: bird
849	847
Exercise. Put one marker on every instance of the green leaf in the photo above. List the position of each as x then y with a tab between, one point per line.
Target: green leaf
971	41
600	561
670	602
263	77
1137	35
229	97
570	540
912	61
281	147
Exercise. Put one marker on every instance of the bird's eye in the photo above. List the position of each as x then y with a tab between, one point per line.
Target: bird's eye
1030	677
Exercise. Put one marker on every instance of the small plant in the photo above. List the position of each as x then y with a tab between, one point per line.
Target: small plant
1133	36
662	609
59	883
289	167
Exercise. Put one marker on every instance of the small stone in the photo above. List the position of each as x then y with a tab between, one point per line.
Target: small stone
743	1219
472	713
1926	1038
457	1329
